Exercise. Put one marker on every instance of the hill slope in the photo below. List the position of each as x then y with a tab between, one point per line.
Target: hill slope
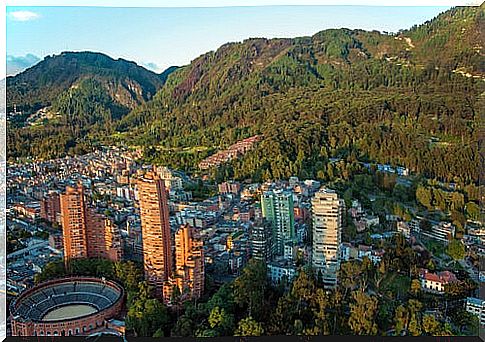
126	82
72	98
340	93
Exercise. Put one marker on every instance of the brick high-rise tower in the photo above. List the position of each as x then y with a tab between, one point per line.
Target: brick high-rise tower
73	219
157	246
104	240
189	261
50	207
86	233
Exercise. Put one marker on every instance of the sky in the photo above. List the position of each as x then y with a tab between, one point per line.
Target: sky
161	37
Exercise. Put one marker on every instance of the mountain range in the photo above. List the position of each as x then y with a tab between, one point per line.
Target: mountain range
404	98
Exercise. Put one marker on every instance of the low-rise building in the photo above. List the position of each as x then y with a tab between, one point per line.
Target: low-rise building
442	232
476	307
371	221
404	229
229	188
279	270
436	282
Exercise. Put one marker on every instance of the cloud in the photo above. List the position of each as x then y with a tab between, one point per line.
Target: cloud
23	15
151	66
17	64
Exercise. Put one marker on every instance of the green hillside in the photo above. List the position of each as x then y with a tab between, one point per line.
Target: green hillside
340	93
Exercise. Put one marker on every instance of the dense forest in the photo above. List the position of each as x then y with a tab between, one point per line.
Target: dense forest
409	99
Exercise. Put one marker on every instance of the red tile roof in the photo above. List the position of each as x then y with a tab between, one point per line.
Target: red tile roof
444	277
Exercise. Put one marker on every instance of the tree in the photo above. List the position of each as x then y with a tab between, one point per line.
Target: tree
402	193
439	199
350	275
415	287
92	267
206	333
407	318
184	327
456	249
303	288
459	221
223	298
430	265
147	316
424	224
52	270
401	320
129	273
159	333
424	196
363	312
472	211
249	327
430	325
457	201
319	306
380	274
249	287
221	321
283	317
460	289
414	308
466	322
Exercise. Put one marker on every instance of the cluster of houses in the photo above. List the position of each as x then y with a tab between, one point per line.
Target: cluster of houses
361	219
233	151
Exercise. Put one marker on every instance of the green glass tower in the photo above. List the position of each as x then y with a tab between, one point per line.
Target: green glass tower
277	207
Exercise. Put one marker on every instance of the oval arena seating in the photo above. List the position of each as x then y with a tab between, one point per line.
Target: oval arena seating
43	299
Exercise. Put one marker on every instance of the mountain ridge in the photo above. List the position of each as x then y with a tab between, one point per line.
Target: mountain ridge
39	85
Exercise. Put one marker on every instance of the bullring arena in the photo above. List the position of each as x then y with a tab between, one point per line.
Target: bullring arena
66	307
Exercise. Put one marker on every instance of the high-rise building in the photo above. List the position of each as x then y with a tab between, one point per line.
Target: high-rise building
50	207
262	240
73	218
327	215
189	261
104	240
86	233
277	208
157	246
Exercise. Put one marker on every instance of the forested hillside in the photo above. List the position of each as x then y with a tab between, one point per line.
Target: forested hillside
404	99
410	99
83	93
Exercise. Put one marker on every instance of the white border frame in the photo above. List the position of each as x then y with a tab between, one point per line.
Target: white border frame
142	3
